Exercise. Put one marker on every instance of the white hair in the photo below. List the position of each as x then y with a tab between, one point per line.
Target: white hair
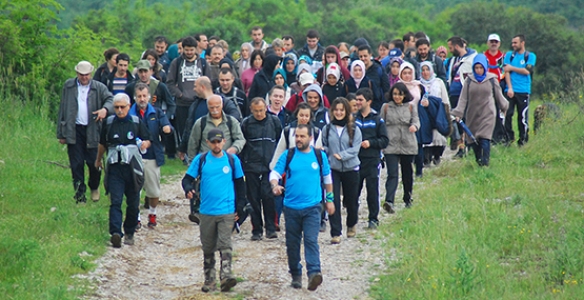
122	97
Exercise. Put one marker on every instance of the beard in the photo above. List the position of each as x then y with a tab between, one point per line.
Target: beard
216	150
455	52
302	146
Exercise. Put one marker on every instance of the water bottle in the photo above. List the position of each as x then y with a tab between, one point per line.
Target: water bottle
139	144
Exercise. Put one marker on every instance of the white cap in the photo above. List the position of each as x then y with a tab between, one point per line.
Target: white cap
494	37
306	78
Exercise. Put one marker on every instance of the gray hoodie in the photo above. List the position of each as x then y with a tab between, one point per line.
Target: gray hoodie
320	116
339	144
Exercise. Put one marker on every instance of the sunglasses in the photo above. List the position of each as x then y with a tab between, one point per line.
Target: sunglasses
494	42
120	106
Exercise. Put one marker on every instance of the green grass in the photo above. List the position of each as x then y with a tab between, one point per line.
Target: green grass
45	238
514	230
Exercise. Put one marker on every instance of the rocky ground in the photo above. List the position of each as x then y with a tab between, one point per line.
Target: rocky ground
167	262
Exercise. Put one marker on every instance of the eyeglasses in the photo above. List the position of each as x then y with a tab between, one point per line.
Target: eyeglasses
120	106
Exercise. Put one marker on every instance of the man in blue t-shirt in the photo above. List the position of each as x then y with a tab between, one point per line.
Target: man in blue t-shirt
302	204
222	186
518	67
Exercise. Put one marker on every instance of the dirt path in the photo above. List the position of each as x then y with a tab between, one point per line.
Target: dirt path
167	262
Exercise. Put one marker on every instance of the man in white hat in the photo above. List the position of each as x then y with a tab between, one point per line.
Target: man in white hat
84	103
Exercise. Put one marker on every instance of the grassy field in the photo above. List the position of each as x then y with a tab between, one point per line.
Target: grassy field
514	230
45	238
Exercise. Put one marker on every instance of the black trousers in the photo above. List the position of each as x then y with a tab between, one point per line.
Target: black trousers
350	182
520	100
369	172
79	154
393	162
259	195
170	141
180	120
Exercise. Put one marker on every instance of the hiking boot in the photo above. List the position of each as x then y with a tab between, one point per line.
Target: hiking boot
388	207
322	226
146	203
95	195
116	240
296	281
352	231
256	236
209	286
194	217
373	225
409	204
228	283
129	239
460	153
314	281
336	240
271	235
80	199
151	221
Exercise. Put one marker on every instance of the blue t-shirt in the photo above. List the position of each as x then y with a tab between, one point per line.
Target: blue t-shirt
303	185
521	83
217	190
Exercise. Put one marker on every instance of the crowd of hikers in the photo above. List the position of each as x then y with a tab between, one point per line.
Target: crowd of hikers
270	129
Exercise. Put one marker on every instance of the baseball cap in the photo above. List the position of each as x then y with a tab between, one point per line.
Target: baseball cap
306	78
395	52
344	54
494	37
84	67
215	134
143	64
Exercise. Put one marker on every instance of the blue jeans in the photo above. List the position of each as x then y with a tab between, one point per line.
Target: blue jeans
305	220
120	182
482	151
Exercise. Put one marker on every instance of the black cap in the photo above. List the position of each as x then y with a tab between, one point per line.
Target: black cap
215	134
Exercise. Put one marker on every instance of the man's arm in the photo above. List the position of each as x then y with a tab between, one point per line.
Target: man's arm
237	138
168	99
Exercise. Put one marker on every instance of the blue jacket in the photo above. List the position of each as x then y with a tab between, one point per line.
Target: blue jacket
154	119
431	117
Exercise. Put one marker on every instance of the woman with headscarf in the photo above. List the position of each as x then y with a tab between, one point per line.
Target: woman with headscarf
332	55
434	86
358	78
290	65
244	62
394	66
257	61
262	81
477	106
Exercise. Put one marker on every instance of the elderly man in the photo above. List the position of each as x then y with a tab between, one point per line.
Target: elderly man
124	137
84	103
158	124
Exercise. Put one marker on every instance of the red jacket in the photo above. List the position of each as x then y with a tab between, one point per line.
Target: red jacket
496	64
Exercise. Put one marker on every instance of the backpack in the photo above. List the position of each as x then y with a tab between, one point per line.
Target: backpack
180	60
525	57
315	133
232	98
318	154
204	124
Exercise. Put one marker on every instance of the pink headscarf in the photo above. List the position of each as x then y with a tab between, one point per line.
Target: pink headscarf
353	65
413	85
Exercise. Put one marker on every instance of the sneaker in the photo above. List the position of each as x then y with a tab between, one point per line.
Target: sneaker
129	239
278	228
271	235
352	231
436	161
459	154
388	207
297	281
146	203
372	225
228	283
194	218
139	226
409	204
314	281
256	237
151	221
336	240
322	226
116	240
95	195
209	287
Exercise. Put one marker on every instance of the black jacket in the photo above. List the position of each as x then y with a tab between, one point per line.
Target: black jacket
379	82
317	55
228	107
161	95
373	130
101	74
262	81
333	91
261	140
237	96
112	75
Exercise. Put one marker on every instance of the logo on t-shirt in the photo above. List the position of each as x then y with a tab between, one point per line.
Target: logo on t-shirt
314	165
226	170
130	135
